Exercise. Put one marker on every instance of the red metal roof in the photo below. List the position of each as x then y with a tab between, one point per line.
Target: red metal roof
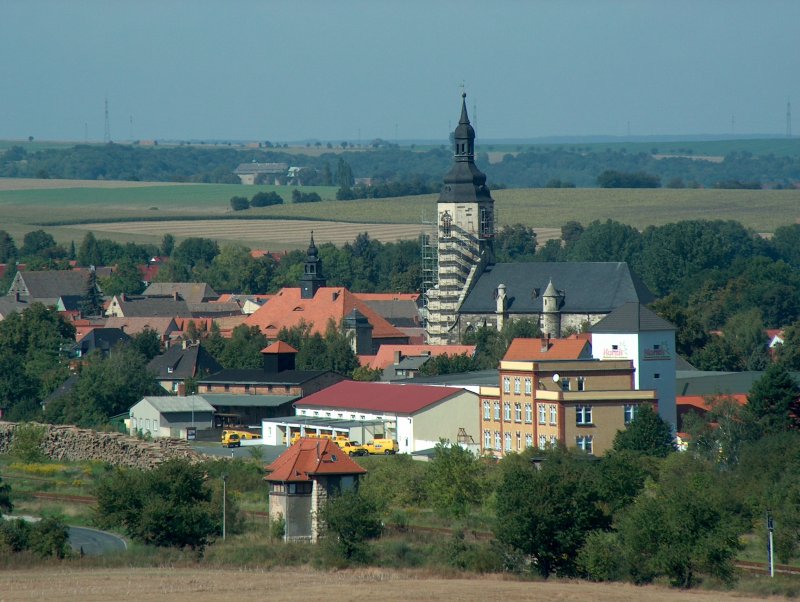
311	457
377	397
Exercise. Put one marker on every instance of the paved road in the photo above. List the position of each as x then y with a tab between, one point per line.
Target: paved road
94	542
268	453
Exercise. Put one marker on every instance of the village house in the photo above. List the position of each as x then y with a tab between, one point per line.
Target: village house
180	363
401	362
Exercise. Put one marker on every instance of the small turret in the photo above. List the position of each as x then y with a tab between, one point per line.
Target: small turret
551	311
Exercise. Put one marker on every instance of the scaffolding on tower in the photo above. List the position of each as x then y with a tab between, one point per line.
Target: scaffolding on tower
429	258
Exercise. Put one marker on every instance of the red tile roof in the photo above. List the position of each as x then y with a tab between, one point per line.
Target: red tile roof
385	355
377	397
311	457
287	309
546	349
279	347
701	402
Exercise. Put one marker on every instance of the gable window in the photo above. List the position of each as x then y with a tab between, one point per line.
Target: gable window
528	386
584	442
517	387
487	410
518	412
553	414
506	384
542	414
528	413
507	412
630	413
497	410
583	415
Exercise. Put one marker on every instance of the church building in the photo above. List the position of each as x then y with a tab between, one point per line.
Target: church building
472	290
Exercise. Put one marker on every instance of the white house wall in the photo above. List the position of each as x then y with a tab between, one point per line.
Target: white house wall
444	419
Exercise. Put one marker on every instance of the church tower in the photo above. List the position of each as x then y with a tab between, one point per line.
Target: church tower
465	217
312	279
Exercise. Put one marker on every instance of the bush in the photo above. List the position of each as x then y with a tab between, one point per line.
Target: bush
350	520
305	197
26	444
265	199
239	203
49	537
277	527
601	557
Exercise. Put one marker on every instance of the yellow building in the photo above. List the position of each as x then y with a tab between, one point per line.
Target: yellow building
577	402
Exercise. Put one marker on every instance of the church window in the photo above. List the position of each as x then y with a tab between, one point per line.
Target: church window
447	223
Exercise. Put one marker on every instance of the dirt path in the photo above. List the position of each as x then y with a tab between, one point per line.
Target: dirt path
201	585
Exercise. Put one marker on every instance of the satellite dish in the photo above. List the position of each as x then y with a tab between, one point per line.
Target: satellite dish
556	377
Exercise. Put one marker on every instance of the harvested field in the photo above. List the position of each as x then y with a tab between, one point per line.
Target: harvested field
35	184
200	585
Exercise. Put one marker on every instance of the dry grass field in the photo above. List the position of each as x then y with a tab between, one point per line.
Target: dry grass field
144	211
209	585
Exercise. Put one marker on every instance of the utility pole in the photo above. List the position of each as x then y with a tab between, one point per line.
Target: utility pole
770	548
224	496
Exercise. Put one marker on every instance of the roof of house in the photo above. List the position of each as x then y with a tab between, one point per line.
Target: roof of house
397	312
386	353
378	397
309	457
287	309
701	402
247	401
588	287
101	338
214	308
191	292
547	349
388	296
63	389
167	404
257	168
139	306
279	347
162	326
51	284
9	304
697	382
178	363
257	376
629	318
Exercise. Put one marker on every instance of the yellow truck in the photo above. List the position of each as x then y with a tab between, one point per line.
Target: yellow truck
382	447
233	438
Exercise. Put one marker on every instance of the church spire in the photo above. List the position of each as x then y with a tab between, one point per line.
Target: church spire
312	278
464	182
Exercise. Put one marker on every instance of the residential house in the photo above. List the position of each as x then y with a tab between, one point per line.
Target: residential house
13	303
268	173
249	410
191	292
179	363
166	328
417	416
400	362
49	286
139	306
170	416
99	339
401	310
317	305
302	480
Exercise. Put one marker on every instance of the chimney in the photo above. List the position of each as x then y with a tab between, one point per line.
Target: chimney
183	344
397	357
175	296
546	342
181	389
123	297
16	296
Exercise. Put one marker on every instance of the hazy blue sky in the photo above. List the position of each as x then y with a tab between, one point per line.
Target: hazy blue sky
336	70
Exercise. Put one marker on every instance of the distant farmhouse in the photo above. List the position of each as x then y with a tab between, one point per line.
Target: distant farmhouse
261	173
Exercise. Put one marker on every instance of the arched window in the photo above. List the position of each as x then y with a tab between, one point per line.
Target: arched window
447	222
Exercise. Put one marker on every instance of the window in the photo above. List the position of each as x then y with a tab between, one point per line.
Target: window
656	375
528	413
581	383
528	386
487	410
553	414
528	440
584	442
497	440
542	442
583	415
542	414
565	384
507	412
518	412
553	440
487	440
656	347
508	441
497	410
630	413
517	386
615	347
519	441
447	223
506	384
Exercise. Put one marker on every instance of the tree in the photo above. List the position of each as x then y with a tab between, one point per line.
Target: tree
616	179
243	349
456	480
147	343
607	241
89	252
6	505
126	278
38	243
515	243
447	364
265	199
8	250
367	374
239	203
788	353
91	303
772	404
547	514
168	506
167	245
344	174
351	519
571	232
647	434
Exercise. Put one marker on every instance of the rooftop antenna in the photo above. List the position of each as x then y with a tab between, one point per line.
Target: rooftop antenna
789	118
107	133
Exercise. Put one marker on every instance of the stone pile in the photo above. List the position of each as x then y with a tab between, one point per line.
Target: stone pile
71	443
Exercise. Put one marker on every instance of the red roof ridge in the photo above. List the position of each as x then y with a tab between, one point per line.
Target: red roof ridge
279	347
311	457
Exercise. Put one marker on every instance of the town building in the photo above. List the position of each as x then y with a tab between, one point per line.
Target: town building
170	416
182	363
261	173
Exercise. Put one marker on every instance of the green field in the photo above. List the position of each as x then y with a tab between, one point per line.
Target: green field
68	213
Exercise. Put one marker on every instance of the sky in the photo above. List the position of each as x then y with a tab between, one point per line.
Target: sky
356	70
